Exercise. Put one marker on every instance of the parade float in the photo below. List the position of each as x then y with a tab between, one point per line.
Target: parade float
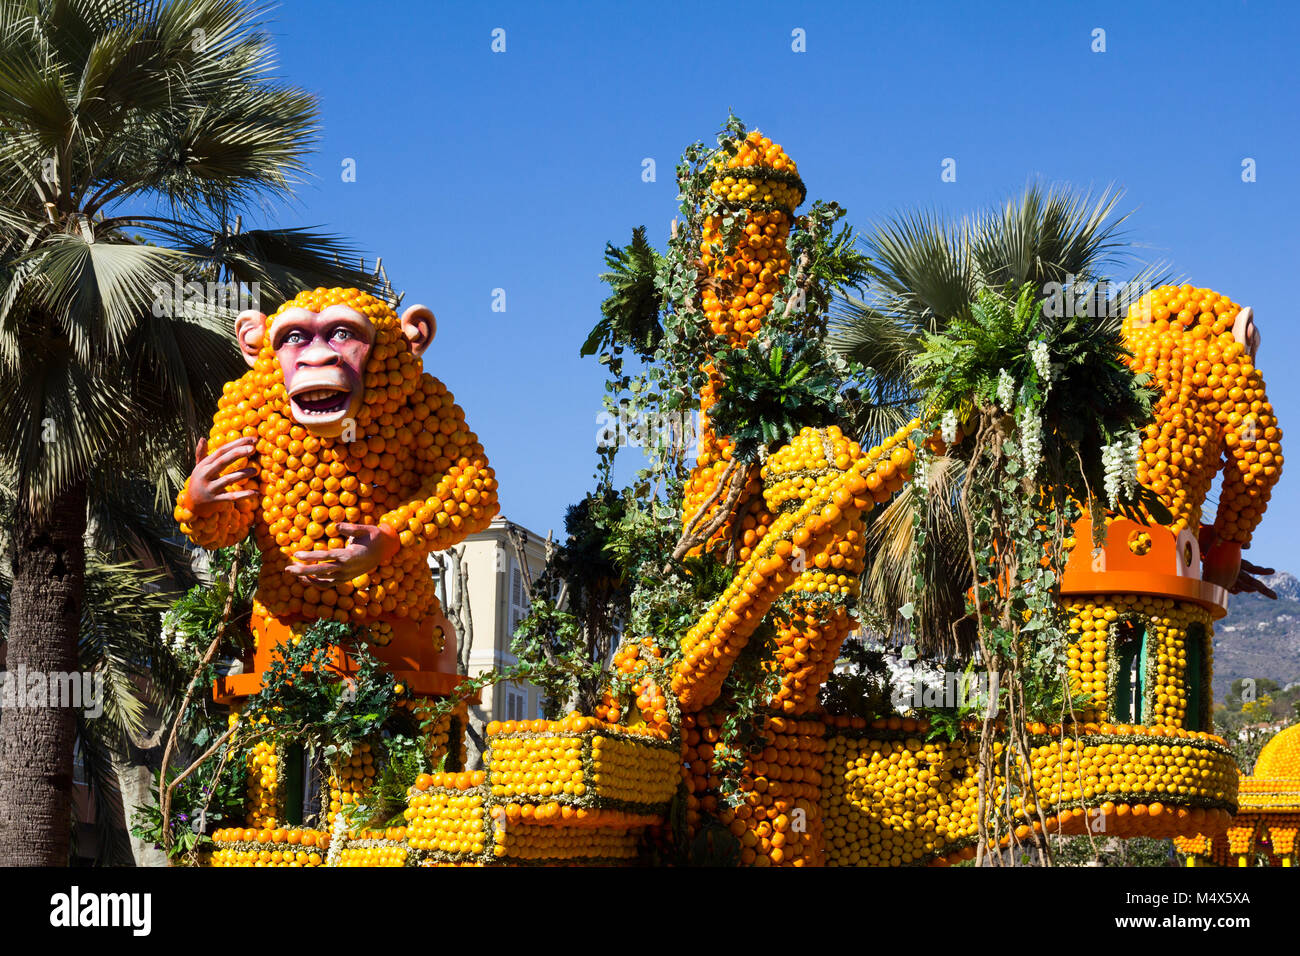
1264	829
349	466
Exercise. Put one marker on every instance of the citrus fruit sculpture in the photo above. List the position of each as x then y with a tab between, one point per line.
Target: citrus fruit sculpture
1268	818
808	788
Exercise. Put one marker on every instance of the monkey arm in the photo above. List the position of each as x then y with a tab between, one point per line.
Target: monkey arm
224	523
459	495
1253	461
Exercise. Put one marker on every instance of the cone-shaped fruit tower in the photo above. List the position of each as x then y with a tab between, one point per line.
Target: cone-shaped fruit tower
794	524
741	276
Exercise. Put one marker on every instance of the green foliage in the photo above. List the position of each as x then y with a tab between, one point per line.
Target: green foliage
407	758
577	601
200	805
1113	851
1089	400
192	623
772	388
928	270
861	686
558	656
835	264
303	699
630	315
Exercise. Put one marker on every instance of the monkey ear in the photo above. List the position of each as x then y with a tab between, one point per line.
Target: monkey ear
1245	331
250	329
419	326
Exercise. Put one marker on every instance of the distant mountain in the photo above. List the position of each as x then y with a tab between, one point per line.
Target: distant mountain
1286	585
1259	637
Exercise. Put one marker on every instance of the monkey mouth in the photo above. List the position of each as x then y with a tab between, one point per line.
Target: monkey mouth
322	401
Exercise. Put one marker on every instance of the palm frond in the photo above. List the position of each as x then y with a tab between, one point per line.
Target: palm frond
630	315
927	272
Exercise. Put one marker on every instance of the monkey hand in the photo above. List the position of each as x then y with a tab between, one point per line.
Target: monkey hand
1247	583
368	547
208	487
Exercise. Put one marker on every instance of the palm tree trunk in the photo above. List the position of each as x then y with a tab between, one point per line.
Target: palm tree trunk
36	742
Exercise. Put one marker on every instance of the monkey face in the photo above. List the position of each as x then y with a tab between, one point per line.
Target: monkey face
322	356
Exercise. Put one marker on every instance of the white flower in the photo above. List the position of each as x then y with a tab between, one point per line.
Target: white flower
1112	463
1119	461
337	839
1031	442
948	427
1134	453
1006	391
921	473
1042	359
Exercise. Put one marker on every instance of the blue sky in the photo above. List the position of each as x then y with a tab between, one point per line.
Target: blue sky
478	171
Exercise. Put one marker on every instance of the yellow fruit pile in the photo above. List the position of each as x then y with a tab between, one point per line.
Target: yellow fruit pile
280	847
1280	757
1268	818
576	790
1198	845
375	848
1282	829
1156	784
350	780
796	469
896	799
1241	838
1139	542
373	855
1212	406
639	663
414	465
808	639
265	786
1092	656
445	736
581	762
446	816
558	844
778	821
824	516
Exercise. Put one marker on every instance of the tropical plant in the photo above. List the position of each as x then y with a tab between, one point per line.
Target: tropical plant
132	138
630	315
927	271
1037	408
775	386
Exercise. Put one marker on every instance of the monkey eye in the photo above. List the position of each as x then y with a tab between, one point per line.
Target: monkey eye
342	332
293	337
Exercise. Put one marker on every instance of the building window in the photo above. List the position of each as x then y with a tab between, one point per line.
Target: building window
79	774
541	706
518	598
514	705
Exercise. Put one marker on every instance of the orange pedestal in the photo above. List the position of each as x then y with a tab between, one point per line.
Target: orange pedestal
412	658
1171	566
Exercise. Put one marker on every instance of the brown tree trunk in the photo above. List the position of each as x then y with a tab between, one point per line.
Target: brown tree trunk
36	742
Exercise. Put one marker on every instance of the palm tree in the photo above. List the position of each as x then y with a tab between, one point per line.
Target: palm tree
925	272
133	137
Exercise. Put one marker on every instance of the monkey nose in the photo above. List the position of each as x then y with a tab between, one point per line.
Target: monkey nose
319	355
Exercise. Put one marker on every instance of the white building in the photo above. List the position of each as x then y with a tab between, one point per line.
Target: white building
497	603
